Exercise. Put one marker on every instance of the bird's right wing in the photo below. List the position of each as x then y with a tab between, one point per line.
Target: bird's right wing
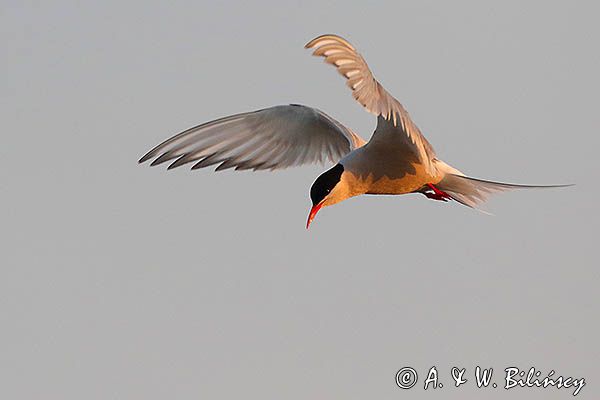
272	138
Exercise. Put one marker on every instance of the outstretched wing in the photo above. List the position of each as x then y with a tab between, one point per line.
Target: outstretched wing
272	138
367	91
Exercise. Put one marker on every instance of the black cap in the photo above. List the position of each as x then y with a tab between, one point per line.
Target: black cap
325	183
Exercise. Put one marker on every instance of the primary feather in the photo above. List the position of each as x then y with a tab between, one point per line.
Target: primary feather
272	138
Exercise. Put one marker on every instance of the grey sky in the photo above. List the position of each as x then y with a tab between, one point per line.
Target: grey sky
122	281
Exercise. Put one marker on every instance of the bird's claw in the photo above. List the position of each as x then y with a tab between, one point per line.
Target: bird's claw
435	196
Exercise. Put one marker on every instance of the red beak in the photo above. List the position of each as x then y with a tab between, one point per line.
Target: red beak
313	212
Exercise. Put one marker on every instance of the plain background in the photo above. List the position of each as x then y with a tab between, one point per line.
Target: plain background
120	281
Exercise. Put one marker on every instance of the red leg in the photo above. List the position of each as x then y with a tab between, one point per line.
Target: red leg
437	193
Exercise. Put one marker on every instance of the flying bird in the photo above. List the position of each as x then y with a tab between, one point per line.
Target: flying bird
397	159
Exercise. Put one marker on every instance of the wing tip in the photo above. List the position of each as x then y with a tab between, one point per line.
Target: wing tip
331	36
155	162
145	158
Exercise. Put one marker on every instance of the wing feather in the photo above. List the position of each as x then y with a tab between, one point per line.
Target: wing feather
338	52
273	138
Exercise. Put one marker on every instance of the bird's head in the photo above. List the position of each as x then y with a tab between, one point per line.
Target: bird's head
328	189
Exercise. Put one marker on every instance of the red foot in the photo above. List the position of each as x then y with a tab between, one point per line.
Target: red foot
437	193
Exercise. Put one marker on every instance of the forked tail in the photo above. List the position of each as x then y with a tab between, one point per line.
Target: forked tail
473	192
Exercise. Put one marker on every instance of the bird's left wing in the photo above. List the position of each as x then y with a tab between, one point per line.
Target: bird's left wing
338	52
272	138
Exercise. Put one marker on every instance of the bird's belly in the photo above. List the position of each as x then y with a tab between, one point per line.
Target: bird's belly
406	184
394	184
374	169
